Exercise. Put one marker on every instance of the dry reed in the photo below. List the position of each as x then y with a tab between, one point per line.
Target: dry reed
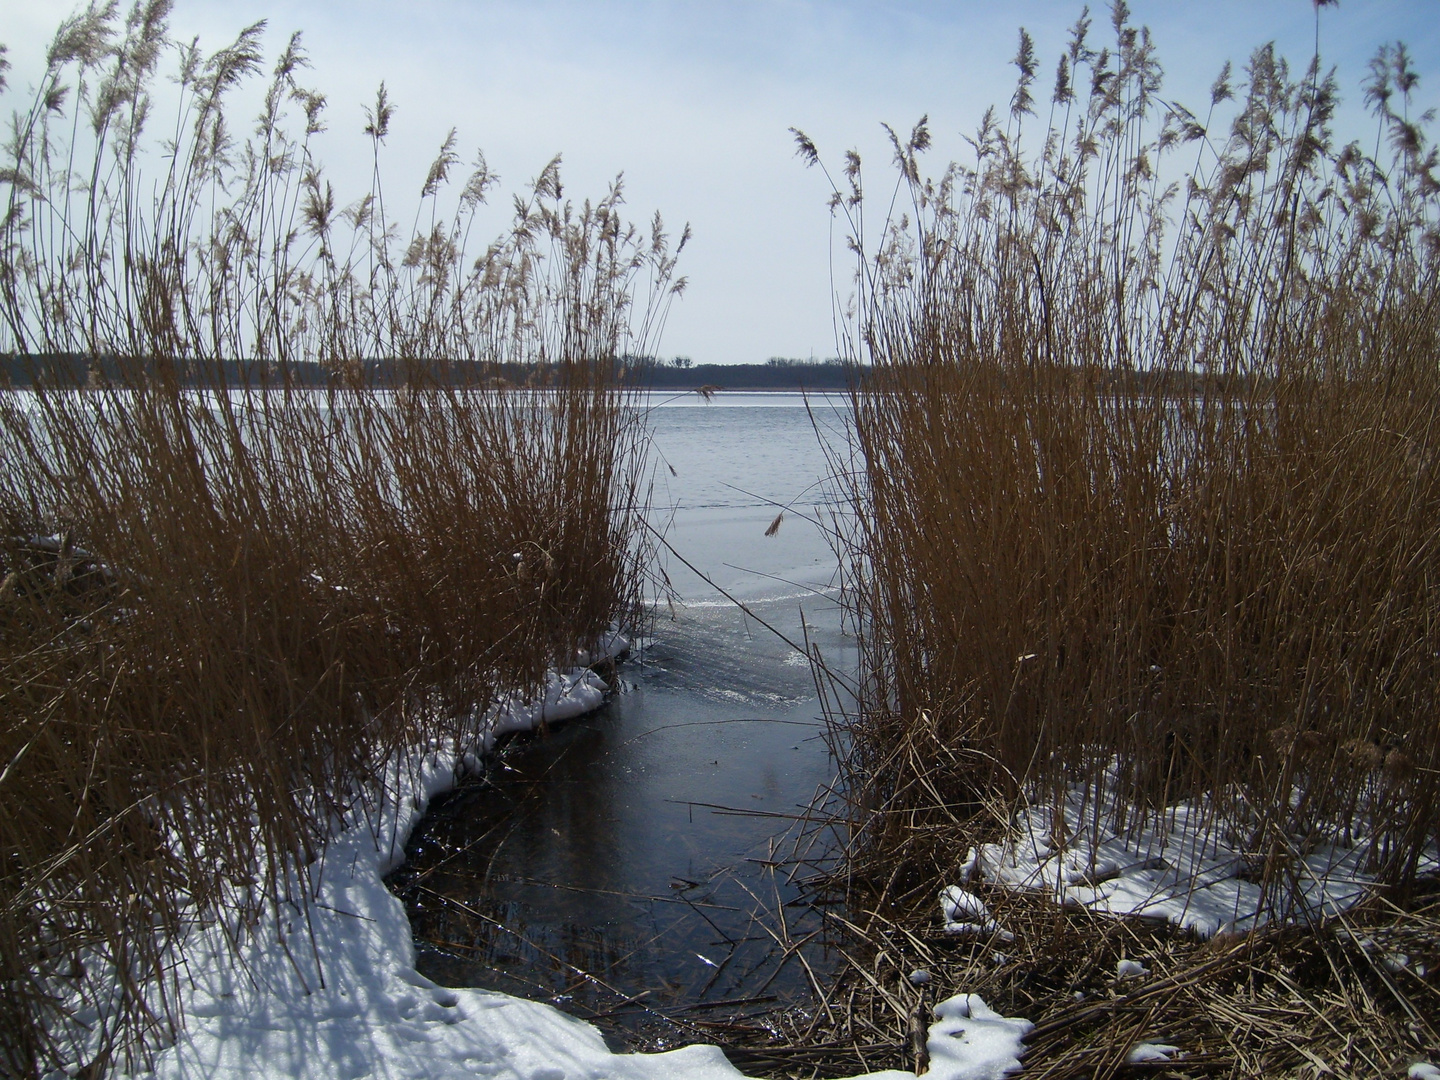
1349	997
269	516
1143	487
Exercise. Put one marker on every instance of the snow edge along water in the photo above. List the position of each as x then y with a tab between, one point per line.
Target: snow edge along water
333	992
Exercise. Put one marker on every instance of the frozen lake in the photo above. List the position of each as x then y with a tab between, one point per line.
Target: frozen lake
631	866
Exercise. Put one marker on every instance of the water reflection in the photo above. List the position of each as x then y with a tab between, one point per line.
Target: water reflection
646	866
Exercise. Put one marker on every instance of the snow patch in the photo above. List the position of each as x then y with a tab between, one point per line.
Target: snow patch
1183	868
970	1041
609	647
957	905
1153	1052
966	915
329	990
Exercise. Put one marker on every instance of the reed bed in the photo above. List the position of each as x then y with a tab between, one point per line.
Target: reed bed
1324	1000
1354	994
269	518
1142	490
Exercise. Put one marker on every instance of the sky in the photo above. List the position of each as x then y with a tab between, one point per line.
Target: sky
692	101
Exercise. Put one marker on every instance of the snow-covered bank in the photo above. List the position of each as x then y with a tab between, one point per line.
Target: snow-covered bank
337	994
333	991
1184	867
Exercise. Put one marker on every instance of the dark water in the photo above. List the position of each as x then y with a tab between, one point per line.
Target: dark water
647	866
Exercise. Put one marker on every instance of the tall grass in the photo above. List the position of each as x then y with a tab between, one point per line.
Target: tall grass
269	518
1145	474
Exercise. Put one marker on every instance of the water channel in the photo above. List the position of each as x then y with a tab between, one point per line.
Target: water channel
646	867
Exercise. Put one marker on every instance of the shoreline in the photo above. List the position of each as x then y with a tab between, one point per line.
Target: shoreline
328	987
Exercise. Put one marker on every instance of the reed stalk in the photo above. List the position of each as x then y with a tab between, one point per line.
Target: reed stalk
269	518
1143	482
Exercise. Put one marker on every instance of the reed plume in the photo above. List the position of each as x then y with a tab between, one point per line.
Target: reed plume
1143	481
269	516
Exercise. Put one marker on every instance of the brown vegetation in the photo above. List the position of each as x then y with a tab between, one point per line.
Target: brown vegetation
225	609
1331	999
1143	490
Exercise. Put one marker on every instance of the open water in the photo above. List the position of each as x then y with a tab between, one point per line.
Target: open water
646	867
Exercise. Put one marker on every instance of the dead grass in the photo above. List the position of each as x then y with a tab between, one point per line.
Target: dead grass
226	607
1142	503
1353	995
1296	1002
1142	481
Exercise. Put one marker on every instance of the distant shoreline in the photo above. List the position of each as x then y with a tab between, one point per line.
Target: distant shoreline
788	376
61	370
74	369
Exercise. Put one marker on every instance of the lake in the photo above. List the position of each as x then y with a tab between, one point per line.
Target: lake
646	867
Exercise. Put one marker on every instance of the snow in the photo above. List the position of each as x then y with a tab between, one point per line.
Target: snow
1392	960
957	905
329	990
565	696
970	1041
1130	969
1152	1052
611	646
1183	868
345	999
1423	1070
966	915
989	929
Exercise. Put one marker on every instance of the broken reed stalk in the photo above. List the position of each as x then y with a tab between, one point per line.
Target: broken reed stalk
269	516
1144	477
1283	1001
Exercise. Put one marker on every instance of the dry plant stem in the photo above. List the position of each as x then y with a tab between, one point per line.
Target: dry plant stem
1143	507
1282	1002
269	517
1143	488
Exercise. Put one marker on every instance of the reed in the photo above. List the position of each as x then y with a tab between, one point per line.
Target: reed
1143	482
270	518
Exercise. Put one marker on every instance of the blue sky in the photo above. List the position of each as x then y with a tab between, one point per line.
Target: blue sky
693	101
